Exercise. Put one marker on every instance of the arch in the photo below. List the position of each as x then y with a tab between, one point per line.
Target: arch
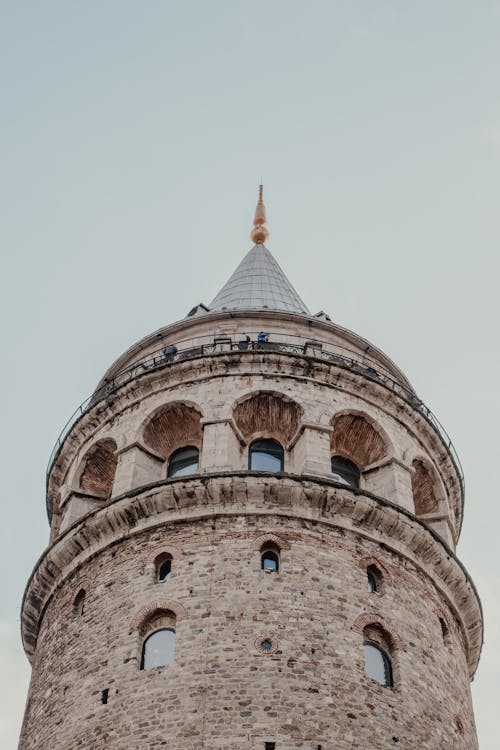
424	485
375	623
147	614
266	455
99	468
356	437
261	540
172	426
365	563
268	414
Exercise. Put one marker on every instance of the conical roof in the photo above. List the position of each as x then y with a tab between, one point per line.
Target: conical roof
258	283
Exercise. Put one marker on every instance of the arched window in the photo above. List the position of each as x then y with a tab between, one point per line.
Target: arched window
79	603
163	566
158	649
378	664
373	580
270	558
183	461
345	471
266	455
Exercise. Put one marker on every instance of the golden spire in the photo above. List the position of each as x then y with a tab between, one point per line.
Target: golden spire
259	232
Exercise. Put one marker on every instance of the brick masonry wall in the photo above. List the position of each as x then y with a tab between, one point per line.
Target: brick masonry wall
222	692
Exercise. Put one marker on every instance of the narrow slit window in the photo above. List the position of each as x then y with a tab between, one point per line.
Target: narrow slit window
164	569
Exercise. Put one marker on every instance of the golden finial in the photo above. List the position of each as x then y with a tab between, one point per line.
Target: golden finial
259	232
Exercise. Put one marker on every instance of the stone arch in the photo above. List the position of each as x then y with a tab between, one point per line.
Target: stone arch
425	487
155	610
270	538
369	623
357	437
366	562
98	469
268	414
163	548
172	426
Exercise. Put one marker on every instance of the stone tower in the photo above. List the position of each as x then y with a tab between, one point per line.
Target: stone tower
252	545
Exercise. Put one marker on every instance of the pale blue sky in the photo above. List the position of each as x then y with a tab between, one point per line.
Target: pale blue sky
133	138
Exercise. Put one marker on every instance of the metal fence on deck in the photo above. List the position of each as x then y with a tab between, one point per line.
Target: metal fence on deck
224	344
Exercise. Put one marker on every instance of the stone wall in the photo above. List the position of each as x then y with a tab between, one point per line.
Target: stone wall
223	692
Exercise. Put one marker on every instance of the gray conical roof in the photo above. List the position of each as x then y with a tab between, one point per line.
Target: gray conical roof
258	283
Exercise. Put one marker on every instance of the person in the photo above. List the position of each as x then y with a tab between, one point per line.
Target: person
262	339
169	352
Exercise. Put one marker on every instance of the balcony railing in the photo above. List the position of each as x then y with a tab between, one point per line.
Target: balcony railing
226	344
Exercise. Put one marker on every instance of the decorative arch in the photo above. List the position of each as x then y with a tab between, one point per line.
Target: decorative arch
371	623
259	541
424	485
99	467
268	414
355	437
366	562
173	426
157	609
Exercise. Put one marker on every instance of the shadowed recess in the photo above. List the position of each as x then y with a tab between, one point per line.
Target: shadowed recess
423	487
354	437
268	415
173	426
99	469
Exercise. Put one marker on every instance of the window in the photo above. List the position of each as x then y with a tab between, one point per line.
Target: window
270	557
158	649
79	603
374	580
183	461
265	455
163	567
270	746
377	664
345	471
270	562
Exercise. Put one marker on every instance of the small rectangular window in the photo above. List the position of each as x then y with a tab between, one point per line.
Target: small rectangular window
104	696
270	746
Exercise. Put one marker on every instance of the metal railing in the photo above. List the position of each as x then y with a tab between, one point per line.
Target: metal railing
223	344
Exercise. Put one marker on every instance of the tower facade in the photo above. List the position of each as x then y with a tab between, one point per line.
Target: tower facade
253	524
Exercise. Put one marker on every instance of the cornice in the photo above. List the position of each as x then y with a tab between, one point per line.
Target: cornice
205	496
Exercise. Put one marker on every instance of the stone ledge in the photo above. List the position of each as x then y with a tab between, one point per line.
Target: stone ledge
255	493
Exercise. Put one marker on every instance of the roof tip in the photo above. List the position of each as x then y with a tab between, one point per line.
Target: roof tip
260	233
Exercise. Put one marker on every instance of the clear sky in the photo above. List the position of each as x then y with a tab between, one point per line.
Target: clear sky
133	138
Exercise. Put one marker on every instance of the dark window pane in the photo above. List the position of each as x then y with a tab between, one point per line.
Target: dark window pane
371	581
377	665
265	455
182	462
164	570
270	561
345	471
266	645
158	649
